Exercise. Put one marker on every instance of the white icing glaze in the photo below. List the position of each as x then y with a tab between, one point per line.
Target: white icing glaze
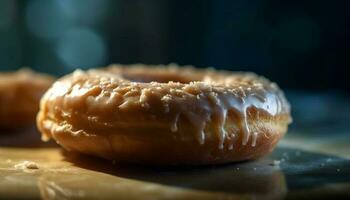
223	103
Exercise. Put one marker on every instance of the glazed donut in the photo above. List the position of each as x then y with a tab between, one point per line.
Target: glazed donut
165	115
20	96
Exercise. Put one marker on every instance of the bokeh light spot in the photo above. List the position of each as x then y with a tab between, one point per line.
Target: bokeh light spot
81	47
84	11
44	19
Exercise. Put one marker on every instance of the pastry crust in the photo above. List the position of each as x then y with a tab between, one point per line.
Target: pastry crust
165	114
20	96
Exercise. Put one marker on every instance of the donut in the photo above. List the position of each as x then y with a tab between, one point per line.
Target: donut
165	115
20	96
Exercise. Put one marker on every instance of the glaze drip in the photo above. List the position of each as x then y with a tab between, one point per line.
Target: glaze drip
254	138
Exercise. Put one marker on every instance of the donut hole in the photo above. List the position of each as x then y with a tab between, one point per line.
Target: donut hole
160	77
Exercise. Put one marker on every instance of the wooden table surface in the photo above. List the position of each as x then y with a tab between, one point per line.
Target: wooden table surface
312	162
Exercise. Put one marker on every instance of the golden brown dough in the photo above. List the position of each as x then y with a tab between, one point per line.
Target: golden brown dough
165	114
20	96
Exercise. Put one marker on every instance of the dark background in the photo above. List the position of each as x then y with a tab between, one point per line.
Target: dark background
299	44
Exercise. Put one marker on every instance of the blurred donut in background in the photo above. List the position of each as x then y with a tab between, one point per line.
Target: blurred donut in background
20	95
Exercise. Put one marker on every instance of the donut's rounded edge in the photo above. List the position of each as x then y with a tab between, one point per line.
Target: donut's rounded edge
150	149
